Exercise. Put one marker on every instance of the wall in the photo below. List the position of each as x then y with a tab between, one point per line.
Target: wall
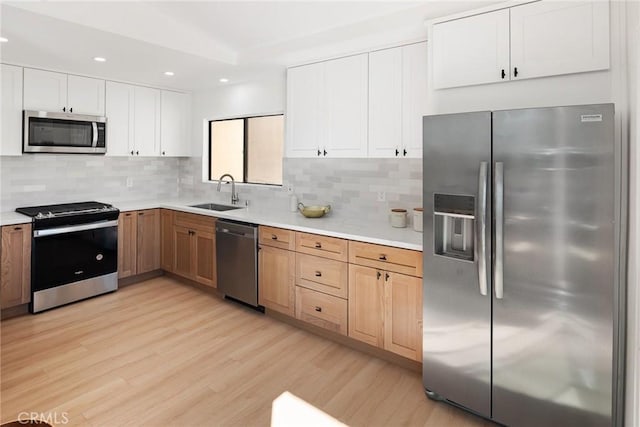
351	186
38	179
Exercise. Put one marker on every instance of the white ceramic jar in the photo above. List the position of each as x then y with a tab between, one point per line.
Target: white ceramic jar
417	219
398	218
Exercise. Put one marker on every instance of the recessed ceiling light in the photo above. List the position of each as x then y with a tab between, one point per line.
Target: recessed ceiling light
99	59
168	73
3	39
223	80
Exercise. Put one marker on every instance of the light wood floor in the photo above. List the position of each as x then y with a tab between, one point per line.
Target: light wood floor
162	353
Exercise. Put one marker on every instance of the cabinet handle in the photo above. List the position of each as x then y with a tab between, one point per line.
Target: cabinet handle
515	71
17	228
378	274
140	213
386	277
127	214
137	153
318	274
132	152
318	245
71	110
274	237
397	152
325	152
404	152
318	309
64	109
503	74
319	152
163	153
382	257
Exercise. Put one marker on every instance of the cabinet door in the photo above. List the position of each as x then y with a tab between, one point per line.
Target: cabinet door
414	97
127	244
183	252
385	102
11	119
174	109
346	91
204	257
276	269
85	95
550	38
471	50
45	90
146	127
15	272
366	305
120	119
166	237
304	115
403	315
148	243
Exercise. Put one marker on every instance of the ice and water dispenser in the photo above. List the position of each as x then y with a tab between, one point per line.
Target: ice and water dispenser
454	222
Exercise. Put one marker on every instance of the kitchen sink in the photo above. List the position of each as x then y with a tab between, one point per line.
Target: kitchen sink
216	207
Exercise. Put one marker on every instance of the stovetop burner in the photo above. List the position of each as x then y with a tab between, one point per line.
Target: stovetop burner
69	213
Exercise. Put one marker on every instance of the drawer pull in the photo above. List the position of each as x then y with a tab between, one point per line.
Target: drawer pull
17	228
386	277
318	245
274	237
318	309
382	257
378	275
318	274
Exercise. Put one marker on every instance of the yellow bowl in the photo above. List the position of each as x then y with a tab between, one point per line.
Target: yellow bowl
314	211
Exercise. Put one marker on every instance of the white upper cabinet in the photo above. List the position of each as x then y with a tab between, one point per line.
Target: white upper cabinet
174	113
327	109
58	92
303	116
133	120
146	126
11	115
543	38
346	107
471	50
551	38
120	118
397	100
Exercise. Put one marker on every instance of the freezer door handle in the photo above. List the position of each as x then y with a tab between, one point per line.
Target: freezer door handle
499	242
481	241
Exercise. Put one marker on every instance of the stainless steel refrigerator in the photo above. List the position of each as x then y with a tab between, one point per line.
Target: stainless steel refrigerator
522	265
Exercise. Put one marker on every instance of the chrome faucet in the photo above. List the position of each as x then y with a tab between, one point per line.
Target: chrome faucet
234	195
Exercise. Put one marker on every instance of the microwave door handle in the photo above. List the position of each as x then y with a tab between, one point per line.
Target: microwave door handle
94	126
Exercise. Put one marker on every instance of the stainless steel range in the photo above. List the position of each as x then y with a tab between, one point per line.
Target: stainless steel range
74	252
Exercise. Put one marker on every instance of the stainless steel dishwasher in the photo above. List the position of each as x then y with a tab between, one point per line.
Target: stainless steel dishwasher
237	261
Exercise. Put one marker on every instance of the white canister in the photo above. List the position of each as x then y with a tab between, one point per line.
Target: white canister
417	219
398	218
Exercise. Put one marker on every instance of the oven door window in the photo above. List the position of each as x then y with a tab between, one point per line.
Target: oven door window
70	257
60	133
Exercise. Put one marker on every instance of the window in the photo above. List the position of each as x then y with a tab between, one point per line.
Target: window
250	149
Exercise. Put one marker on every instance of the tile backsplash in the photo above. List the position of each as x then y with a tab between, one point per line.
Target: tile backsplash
40	179
351	186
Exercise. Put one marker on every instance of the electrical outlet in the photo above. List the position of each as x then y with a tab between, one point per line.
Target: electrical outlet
129	182
382	196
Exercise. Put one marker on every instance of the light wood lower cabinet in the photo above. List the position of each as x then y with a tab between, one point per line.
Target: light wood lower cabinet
138	242
15	265
385	310
167	247
194	248
276	269
326	311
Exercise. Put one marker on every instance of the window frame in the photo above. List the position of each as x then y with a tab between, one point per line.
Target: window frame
245	146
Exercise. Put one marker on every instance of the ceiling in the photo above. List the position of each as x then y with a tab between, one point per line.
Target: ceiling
204	41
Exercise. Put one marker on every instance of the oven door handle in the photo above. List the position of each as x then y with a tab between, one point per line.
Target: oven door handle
74	228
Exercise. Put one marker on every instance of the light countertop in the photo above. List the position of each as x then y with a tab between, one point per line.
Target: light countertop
346	228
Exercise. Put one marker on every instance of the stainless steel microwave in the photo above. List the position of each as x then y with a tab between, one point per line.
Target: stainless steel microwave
46	132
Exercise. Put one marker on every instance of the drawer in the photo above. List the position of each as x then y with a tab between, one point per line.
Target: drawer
322	310
322	274
194	221
324	246
277	237
398	260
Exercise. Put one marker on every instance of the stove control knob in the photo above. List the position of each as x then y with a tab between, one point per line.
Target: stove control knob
40	215
50	215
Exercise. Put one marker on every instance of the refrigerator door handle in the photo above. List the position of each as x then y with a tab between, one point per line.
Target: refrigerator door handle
499	240
481	243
